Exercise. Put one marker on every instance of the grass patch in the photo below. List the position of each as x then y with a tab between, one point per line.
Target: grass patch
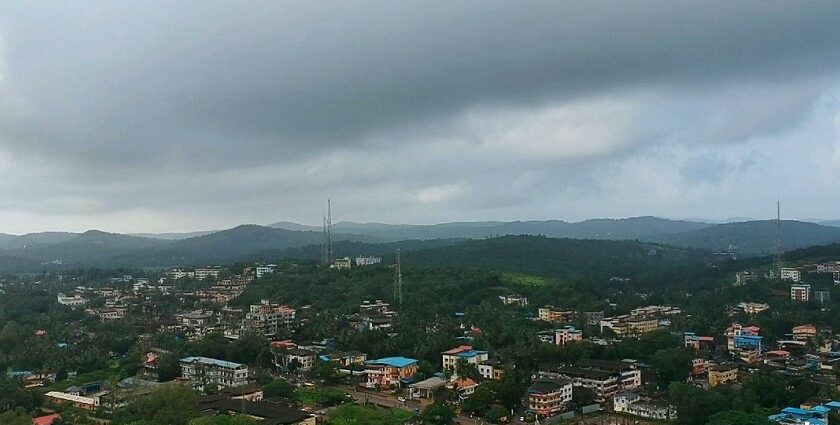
367	415
522	279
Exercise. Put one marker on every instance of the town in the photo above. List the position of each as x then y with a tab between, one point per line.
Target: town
306	343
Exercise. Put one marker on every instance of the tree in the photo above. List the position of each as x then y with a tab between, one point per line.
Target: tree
479	402
582	396
510	390
168	367
737	417
671	365
223	420
695	405
168	404
438	414
279	388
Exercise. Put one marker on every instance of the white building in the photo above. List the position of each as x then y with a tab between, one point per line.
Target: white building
367	261
753	308
73	301
207	272
342	264
204	371
791	274
514	299
630	403
801	292
269	319
264	270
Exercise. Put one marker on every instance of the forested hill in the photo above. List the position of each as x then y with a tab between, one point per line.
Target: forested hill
556	257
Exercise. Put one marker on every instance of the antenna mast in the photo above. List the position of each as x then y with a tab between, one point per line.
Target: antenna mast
327	249
398	295
778	259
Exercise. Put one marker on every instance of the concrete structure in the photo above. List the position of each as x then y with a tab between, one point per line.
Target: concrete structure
367	261
806	415
804	332
800	292
604	377
204	371
207	273
822	296
466	353
631	404
553	314
59	398
740	337
753	308
72	301
629	327
269	319
722	374
260	271
342	264
389	372
746	276
567	334
298	358
790	273
514	299
549	397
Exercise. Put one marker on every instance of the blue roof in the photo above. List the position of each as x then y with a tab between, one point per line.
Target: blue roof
393	361
833	404
209	361
470	353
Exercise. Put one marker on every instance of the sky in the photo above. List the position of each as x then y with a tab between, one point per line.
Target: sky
153	116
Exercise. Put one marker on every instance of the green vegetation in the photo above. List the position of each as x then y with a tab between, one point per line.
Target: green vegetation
352	414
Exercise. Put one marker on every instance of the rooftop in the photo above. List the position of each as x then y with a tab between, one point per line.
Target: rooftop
212	362
392	361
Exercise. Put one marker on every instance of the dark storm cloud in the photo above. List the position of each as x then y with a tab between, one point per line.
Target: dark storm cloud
114	100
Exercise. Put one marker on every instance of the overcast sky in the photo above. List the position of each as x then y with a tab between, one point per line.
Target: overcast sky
178	115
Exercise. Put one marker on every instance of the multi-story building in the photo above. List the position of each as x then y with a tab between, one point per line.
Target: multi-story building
389	372
263	270
800	292
740	337
806	414
345	358
804	332
604	377
567	334
549	397
204	371
697	342
198	323
628	326
367	261
745	277
753	308
553	314
72	301
297	359
722	374
822	296
631	404
655	311
514	299
269	319
790	273
207	272
176	274
466	353
492	369
342	264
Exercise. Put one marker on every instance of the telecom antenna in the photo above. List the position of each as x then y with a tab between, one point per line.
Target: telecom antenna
778	259
398	295
327	249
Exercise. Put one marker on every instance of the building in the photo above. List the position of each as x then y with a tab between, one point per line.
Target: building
80	402
269	319
823	296
549	397
342	264
207	273
603	377
790	273
753	308
625	326
806	415
722	374
389	372
655	311
465	353
261	271
804	332
198	323
746	276
176	274
426	388
204	371
631	404
800	292
514	299
367	261
697	342
72	301
345	358
261	411
492	369
567	334
553	314
297	358
740	337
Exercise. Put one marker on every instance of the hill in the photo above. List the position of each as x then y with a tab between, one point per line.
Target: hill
615	229
754	237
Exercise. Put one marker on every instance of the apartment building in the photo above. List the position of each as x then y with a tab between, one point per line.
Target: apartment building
740	337
466	353
263	270
207	272
753	308
72	301
553	314
342	264
367	261
567	334
389	372
604	377
269	319
296	358
514	299
632	404
628	326
548	397
800	292
204	371
722	374
790	273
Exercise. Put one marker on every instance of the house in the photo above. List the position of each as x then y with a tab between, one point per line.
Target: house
46	419
261	411
389	372
345	358
464	386
692	340
631	404
548	397
722	374
492	369
204	371
466	353
800	292
250	392
296	358
426	388
71	301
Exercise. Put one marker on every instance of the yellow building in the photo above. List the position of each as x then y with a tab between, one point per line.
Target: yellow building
722	374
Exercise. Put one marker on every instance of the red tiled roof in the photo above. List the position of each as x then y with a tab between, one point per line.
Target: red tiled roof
460	349
46	420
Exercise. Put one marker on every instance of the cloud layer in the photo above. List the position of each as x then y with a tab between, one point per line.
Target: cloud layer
166	116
